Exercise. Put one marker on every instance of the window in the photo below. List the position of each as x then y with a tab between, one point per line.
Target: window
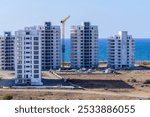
27	43
36	66
19	66
36	71
36	38
19	71
36	52
27	61
27	66
19	76
27	48
19	62
27	52
27	57
36	62
36	48
36	43
36	57
27	33
36	76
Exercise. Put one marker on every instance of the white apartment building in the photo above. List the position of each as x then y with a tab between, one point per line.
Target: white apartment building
28	56
7	51
2	53
84	46
121	51
51	46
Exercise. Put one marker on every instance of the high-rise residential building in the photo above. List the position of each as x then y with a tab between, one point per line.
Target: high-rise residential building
121	51
7	51
84	46
2	53
28	56
51	46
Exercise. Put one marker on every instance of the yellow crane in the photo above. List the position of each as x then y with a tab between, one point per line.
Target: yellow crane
63	39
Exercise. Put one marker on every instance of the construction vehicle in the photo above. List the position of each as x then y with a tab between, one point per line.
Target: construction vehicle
63	21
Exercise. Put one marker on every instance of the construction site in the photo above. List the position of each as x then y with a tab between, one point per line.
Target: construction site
82	84
89	83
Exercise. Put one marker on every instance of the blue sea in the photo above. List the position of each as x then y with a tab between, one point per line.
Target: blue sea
142	49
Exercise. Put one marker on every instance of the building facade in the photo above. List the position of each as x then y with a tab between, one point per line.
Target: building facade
121	49
51	46
7	51
84	46
2	53
28	56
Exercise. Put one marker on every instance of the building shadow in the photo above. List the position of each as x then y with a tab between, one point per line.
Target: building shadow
92	84
7	82
46	82
54	82
141	67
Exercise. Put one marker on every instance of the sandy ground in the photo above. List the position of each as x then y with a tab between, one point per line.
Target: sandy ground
7	74
116	86
95	87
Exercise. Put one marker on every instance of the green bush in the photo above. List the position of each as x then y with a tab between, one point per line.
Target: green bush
7	97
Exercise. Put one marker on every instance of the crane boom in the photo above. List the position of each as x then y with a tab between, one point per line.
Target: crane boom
63	39
65	19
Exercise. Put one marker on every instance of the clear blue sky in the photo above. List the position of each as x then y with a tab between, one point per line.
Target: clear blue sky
110	15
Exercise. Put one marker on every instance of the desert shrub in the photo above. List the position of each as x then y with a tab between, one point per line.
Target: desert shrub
7	97
147	82
146	63
132	80
142	85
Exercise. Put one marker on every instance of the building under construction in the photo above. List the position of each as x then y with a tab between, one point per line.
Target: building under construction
7	51
51	46
84	46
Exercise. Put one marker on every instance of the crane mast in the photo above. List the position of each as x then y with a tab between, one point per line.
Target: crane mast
63	21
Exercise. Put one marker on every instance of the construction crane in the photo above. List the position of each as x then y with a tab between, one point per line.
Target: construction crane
63	39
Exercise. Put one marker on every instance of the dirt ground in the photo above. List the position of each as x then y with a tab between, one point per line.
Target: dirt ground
127	84
7	74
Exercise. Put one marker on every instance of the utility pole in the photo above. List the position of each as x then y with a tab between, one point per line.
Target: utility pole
63	39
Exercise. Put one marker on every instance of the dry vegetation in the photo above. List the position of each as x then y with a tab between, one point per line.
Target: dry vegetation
145	63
